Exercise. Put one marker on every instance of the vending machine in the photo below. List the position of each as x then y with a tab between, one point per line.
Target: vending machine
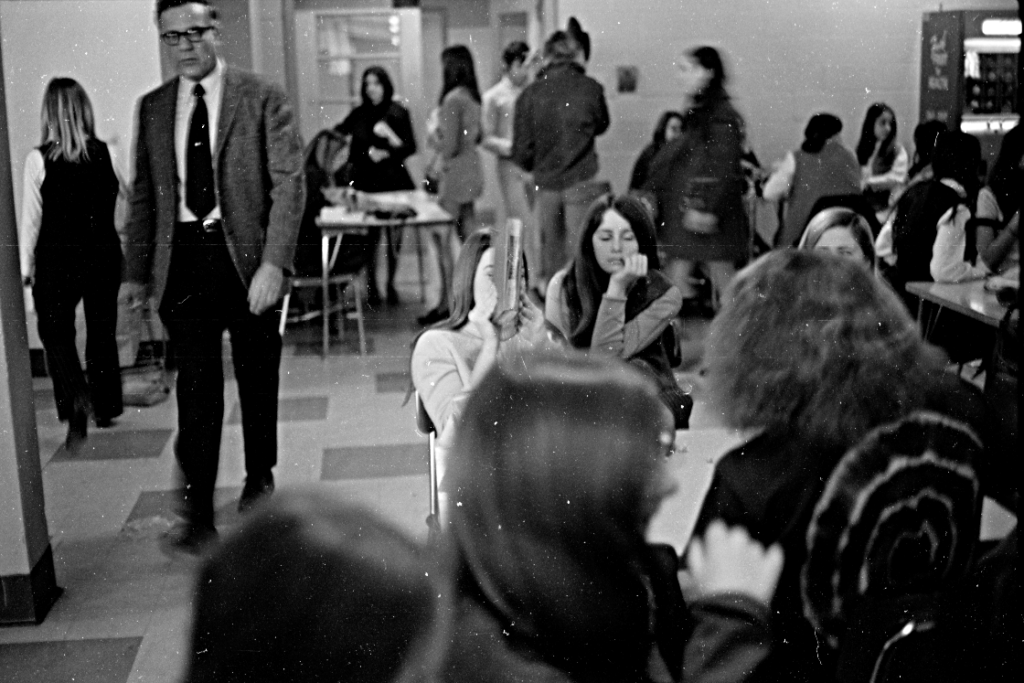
970	73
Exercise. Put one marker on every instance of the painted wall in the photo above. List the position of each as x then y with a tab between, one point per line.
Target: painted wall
109	46
787	58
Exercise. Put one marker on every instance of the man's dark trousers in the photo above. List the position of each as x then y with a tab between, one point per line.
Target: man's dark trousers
205	295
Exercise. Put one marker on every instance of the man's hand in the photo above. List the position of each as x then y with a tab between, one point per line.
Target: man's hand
266	288
727	560
132	294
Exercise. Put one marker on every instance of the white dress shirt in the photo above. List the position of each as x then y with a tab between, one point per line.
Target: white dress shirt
498	107
214	90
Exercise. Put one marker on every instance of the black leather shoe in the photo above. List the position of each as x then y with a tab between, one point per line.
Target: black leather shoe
255	490
189	538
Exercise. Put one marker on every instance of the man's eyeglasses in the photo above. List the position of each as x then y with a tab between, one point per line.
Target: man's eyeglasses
193	35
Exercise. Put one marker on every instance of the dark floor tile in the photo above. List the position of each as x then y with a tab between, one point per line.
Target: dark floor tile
107	660
369	462
129	444
349	346
293	409
392	382
163	505
37	359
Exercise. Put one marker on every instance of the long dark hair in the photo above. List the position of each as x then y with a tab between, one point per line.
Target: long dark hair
586	281
385	83
659	130
1007	178
819	129
957	156
458	70
553	503
866	145
925	135
710	59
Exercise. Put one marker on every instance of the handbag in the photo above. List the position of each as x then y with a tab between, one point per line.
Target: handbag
146	383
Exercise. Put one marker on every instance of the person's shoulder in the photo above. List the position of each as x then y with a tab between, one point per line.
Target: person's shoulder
493	93
459	94
435	339
592	82
722	110
167	88
957	398
397	110
556	283
248	82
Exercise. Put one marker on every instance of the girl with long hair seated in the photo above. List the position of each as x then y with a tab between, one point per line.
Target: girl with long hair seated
997	215
613	299
884	162
556	471
449	359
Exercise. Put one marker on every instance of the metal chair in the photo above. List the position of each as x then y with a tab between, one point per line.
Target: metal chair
424	425
327	281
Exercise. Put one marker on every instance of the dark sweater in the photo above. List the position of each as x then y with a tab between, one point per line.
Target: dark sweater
556	120
387	174
770	485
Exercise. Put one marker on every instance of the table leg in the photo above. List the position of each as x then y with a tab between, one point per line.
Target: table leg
419	258
325	303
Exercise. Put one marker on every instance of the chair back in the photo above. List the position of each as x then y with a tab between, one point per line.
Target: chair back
424	425
891	536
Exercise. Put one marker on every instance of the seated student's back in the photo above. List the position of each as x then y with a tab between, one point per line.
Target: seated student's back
311	590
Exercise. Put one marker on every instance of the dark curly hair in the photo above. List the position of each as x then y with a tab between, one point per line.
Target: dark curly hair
813	344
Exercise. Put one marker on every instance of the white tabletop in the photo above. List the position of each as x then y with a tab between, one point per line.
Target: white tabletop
428	213
691	466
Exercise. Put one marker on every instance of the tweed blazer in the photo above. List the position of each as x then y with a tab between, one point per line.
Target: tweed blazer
257	169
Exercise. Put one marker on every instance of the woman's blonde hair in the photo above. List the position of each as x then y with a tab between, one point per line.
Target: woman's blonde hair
66	120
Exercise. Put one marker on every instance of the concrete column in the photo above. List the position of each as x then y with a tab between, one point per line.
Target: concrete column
28	586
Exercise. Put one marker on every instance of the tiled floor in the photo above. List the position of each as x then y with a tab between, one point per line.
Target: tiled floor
125	609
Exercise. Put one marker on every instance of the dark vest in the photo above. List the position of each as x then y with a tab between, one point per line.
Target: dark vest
915	228
831	172
78	207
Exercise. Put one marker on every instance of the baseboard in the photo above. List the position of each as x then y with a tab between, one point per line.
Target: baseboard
27	599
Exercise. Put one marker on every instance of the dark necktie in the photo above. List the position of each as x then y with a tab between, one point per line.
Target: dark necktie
199	194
